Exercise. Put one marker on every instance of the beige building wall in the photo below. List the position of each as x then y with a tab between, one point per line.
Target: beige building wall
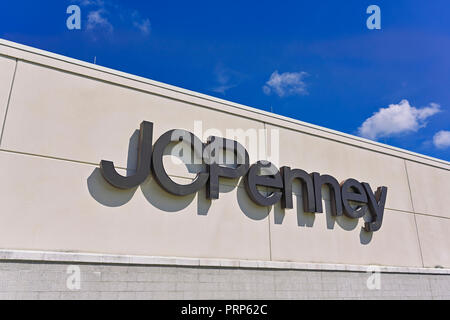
62	116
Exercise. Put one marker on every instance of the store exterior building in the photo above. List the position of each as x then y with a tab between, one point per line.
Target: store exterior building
61	220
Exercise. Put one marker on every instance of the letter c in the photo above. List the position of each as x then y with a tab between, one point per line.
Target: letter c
160	173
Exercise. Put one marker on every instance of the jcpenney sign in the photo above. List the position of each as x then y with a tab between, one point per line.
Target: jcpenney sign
352	198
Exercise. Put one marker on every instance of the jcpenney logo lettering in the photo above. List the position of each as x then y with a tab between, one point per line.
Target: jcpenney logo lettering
351	197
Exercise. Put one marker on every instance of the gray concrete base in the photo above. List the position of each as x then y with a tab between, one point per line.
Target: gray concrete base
48	280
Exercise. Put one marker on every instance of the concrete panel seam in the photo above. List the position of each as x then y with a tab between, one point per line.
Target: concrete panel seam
431	215
178	176
268	208
416	212
415	220
52	157
97	165
9	99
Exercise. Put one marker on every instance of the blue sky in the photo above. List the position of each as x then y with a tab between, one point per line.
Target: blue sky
315	61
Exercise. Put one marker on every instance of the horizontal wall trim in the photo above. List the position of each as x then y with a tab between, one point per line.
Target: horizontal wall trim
226	106
95	258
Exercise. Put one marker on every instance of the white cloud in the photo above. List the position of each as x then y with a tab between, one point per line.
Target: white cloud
226	79
97	19
122	17
396	119
442	139
223	88
143	26
286	84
